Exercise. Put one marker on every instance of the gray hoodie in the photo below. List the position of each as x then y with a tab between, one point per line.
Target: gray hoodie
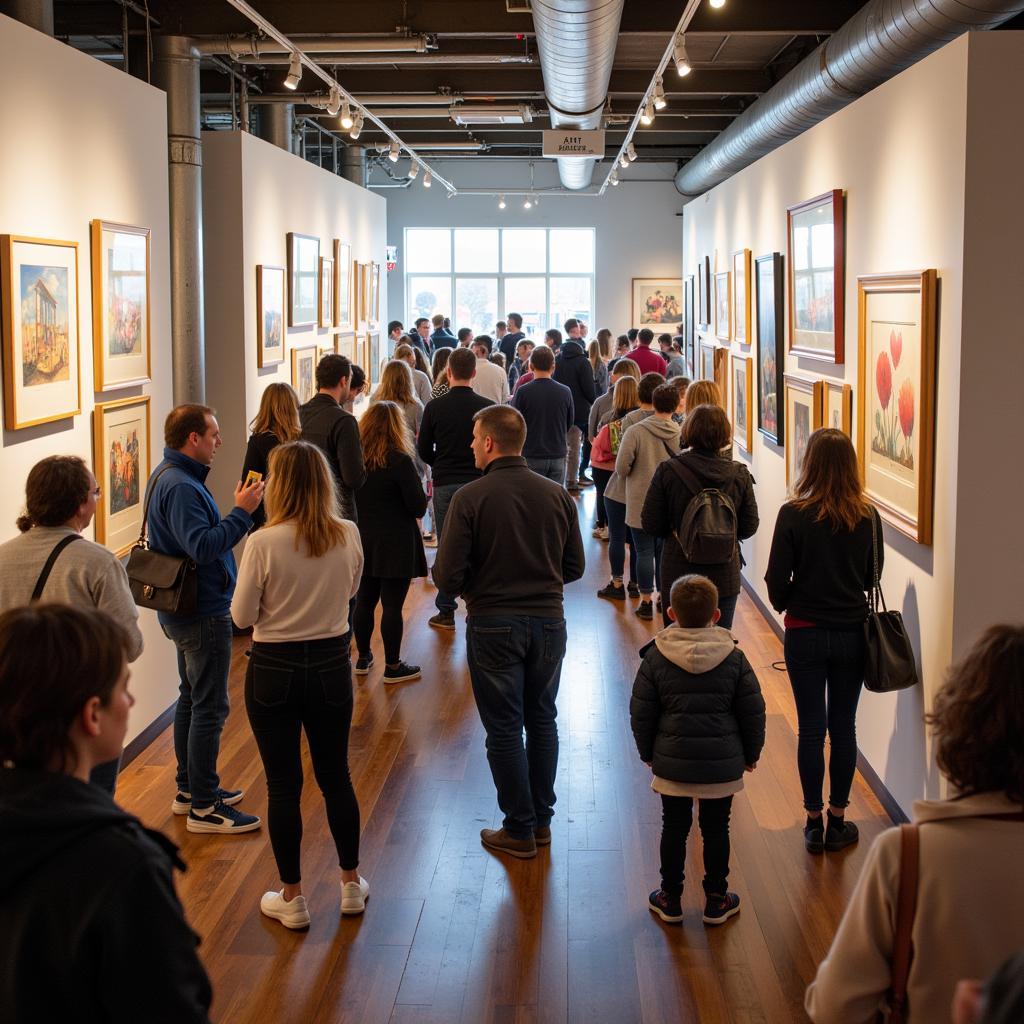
644	446
695	650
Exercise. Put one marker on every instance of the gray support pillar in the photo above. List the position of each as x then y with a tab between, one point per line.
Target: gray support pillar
274	124
353	164
176	71
37	14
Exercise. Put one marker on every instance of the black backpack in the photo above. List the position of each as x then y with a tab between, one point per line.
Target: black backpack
707	533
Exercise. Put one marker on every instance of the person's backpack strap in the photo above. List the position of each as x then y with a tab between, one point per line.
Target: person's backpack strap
687	475
906	908
48	567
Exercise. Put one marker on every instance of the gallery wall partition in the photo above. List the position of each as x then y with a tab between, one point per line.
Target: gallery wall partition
882	304
85	294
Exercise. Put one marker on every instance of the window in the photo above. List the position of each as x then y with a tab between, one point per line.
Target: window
477	276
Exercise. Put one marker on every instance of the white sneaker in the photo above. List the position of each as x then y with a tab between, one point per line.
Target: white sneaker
291	914
354	896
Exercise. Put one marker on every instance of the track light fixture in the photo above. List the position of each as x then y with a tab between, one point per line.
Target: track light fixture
334	101
357	127
631	152
647	117
414	169
427	179
660	103
393	152
624	161
291	80
346	121
501	202
717	3
681	58
527	204
615	179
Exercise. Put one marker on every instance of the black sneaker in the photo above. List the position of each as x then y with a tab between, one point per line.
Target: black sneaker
645	610
183	801
665	906
814	835
632	589
616	593
443	620
363	665
839	834
401	673
718	909
221	818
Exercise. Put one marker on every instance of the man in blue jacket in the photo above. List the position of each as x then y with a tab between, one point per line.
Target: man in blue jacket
184	521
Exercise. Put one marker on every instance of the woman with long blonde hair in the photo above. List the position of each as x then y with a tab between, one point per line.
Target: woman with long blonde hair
294	584
276	421
396	385
703	392
389	504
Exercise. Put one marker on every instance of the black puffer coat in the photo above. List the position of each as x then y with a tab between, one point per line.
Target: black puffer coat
697	712
573	369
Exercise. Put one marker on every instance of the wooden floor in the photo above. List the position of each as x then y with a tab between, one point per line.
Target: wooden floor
453	933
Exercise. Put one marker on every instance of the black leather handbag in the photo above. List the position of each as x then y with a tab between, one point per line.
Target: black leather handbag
164	583
888	656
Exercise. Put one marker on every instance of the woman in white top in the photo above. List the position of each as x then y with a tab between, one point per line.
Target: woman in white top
294	584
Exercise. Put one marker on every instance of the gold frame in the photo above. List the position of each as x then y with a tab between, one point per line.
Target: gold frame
727	337
805	386
346	344
845	393
374	294
100	465
261	361
341	265
737	312
290	237
721	376
329	321
295	362
746	442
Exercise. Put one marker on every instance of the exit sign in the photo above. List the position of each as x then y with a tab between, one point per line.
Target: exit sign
569	144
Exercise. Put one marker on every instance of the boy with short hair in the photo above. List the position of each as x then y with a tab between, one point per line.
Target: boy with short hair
698	719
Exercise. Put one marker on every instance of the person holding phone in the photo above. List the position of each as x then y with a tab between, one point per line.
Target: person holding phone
276	422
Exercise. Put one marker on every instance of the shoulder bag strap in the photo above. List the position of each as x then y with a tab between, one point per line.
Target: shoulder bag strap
687	475
48	567
876	598
141	542
906	908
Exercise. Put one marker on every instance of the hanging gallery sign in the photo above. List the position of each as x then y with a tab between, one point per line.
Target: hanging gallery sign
574	144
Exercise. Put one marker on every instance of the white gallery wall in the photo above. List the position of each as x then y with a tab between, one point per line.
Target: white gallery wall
84	141
637	230
929	174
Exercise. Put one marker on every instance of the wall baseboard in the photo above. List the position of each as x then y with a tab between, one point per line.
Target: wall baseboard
766	612
147	736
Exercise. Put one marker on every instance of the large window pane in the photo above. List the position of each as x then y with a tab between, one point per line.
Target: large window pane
429	295
572	251
430	250
476	303
570	297
527	296
524	250
476	251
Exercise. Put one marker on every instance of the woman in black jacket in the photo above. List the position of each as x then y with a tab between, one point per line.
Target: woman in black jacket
90	926
389	503
573	369
276	422
820	567
705	433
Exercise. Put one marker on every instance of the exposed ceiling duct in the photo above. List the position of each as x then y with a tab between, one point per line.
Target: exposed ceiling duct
576	40
882	39
250	46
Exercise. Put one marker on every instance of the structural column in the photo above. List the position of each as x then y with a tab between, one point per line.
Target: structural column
37	14
275	124
353	164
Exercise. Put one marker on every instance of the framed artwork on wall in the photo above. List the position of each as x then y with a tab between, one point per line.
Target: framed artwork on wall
741	296
342	284
303	279
657	303
743	401
365	312
40	330
817	272
270	299
373	367
304	372
771	352
837	406
714	366
896	397
346	346
374	294
703	291
121	462
326	292
120	305
689	332
723	305
803	413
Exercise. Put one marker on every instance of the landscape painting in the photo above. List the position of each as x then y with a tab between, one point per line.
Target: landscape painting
658	303
121	464
770	347
270	299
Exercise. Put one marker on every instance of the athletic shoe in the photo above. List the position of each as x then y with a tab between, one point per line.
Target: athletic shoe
354	896
814	835
221	818
585	481
542	835
428	534
602	533
500	841
401	673
665	906
292	914
718	909
363	665
596	532
645	610
839	834
573	488
632	589
615	593
183	801
442	620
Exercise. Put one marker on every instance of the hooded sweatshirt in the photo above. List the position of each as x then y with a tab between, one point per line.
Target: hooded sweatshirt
573	369
91	929
697	712
644	446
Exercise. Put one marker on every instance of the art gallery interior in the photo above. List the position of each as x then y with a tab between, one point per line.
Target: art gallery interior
183	148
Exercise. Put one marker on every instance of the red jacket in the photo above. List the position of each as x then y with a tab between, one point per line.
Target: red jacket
648	360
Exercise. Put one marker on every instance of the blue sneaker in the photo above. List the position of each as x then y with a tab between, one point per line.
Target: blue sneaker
183	801
221	818
665	906
718	909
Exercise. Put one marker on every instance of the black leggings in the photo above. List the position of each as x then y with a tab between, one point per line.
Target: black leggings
601	478
391	595
290	687
676	818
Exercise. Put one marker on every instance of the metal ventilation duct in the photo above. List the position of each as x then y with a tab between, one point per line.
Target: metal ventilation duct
882	39
576	40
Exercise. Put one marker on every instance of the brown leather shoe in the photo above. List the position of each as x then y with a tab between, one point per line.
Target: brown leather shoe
500	841
542	835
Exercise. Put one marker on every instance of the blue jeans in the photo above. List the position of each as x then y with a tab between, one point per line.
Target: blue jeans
553	469
204	658
826	671
514	664
648	559
618	534
445	603
573	447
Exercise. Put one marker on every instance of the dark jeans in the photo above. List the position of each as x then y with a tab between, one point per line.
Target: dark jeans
553	469
648	560
676	819
618	533
514	665
585	454
601	478
105	775
442	499
826	671
391	596
204	658
290	687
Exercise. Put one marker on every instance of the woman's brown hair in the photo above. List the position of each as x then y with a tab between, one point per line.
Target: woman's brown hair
829	481
301	490
439	363
706	428
703	392
604	341
278	413
625	397
395	384
977	719
383	430
594	352
54	491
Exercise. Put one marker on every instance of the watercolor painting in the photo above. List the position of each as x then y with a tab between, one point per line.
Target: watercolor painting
303	279
803	415
723	305
124	469
326	292
741	296
121	464
770	346
44	325
304	372
270	303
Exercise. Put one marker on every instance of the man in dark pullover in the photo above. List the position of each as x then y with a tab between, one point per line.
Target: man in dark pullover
508	341
547	408
573	369
510	543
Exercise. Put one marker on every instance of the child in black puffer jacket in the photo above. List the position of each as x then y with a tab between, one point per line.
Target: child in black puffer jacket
698	720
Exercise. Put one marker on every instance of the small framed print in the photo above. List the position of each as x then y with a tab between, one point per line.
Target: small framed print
374	317
741	296
723	305
270	301
326	292
771	350
346	346
703	291
689	331
304	372
713	366
803	413
358	307
837	406
121	460
303	279
743	401
343	285
373	357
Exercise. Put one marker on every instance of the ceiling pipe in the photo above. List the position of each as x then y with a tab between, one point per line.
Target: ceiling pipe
576	40
412	59
882	39
250	46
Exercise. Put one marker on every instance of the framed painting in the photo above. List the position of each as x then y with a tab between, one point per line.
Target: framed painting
703	291
358	306
346	346
896	397
713	366
326	346
304	372
837	406
342	284
741	296
120	305
373	367
121	461
817	273
365	312
326	292
743	401
657	303
689	332
771	352
723	305
270	299
303	279
803	413
374	317
40	330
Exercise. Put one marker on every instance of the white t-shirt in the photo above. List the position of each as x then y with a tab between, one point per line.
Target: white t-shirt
491	381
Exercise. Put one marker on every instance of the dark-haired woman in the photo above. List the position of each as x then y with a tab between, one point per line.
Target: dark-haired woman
970	903
437	367
819	571
276	421
90	926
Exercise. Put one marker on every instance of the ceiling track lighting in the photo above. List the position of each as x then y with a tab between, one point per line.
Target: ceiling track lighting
393	152
501	203
624	161
615	179
427	178
681	58
334	102
717	3
631	152
414	169
647	117
660	103
527	204
346	121
291	80
357	127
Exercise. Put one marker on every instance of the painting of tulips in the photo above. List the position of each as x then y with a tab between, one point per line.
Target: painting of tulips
896	397
770	351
